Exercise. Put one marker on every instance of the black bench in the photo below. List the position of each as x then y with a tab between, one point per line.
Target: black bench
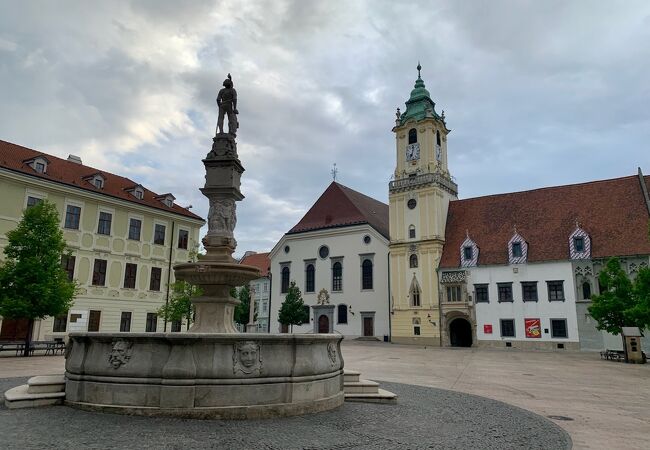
12	346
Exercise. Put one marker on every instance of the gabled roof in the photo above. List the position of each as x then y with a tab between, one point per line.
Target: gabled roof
13	157
340	206
613	213
259	260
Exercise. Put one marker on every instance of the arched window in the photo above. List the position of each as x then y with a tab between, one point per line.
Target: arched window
366	274
415	296
413	136
285	280
416	326
437	137
342	313
337	276
310	278
413	261
586	290
411	231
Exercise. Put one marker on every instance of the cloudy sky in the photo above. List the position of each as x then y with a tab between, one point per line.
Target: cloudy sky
537	93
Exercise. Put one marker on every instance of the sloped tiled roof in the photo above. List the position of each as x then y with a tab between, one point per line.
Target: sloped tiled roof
259	260
341	206
613	212
15	158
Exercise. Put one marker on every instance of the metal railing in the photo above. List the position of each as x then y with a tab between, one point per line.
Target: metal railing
426	178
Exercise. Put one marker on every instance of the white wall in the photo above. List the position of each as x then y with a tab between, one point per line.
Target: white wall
348	243
492	312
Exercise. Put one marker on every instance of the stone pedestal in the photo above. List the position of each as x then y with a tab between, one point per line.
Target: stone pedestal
218	272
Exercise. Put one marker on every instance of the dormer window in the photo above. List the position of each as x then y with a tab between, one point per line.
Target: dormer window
468	253
137	191
96	179
39	164
517	249
98	182
166	199
579	244
168	202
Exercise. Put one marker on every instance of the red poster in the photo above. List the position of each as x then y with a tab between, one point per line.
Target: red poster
487	329
533	328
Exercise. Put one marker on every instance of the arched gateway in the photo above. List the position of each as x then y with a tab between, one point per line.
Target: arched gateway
460	333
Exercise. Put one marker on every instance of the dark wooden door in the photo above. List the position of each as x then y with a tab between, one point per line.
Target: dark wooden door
323	324
368	326
93	320
284	328
14	330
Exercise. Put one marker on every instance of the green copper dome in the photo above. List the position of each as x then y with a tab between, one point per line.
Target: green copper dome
419	105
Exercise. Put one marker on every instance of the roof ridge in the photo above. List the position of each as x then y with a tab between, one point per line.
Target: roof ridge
546	188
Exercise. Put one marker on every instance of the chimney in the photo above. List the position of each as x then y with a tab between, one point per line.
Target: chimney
74	158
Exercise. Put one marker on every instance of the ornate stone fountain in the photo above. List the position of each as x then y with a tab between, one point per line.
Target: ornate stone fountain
212	371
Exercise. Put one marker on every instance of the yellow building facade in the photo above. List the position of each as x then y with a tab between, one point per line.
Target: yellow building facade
124	240
419	197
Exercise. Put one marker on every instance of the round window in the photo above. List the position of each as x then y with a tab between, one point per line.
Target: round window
323	251
286	249
411	203
366	239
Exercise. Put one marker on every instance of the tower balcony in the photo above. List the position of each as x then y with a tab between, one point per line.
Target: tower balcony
419	181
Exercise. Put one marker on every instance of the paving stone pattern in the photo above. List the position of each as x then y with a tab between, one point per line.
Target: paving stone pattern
423	418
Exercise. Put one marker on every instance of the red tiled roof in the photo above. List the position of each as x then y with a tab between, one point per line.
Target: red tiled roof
259	260
613	212
341	206
15	157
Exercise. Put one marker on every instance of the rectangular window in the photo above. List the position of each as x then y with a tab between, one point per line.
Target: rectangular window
416	330
60	323
129	275
99	272
453	294
152	323
176	326
159	234
516	249
555	291
481	293
507	328
125	322
579	244
40	167
183	237
98	182
468	252
154	282
72	216
529	291
411	233
266	286
135	226
558	328
505	292
93	320
104	226
31	201
67	262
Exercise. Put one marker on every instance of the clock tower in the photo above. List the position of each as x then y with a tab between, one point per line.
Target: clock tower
419	197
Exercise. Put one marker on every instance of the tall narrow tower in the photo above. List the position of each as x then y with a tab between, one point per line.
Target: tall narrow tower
419	199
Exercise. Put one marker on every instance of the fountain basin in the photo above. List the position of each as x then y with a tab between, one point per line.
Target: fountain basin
219	376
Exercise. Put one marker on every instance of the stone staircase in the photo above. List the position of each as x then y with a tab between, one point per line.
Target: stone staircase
358	390
39	391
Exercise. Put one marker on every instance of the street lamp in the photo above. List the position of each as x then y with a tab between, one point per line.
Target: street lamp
251	327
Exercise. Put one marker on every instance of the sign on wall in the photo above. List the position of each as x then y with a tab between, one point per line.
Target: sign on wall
487	329
533	328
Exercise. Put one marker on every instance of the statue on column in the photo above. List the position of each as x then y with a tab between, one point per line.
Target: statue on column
227	103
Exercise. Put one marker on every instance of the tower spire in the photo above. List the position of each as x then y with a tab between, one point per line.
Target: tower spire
419	68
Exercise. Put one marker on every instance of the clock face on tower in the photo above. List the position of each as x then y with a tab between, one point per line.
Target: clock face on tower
413	152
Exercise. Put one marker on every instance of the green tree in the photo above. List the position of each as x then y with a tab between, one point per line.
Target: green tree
242	310
292	311
179	307
622	303
33	285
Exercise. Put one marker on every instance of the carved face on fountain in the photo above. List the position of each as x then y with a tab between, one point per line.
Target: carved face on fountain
120	353
246	357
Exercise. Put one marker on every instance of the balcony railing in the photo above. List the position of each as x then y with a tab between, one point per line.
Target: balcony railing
426	178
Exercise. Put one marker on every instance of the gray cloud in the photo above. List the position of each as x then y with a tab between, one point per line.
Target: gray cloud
536	93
